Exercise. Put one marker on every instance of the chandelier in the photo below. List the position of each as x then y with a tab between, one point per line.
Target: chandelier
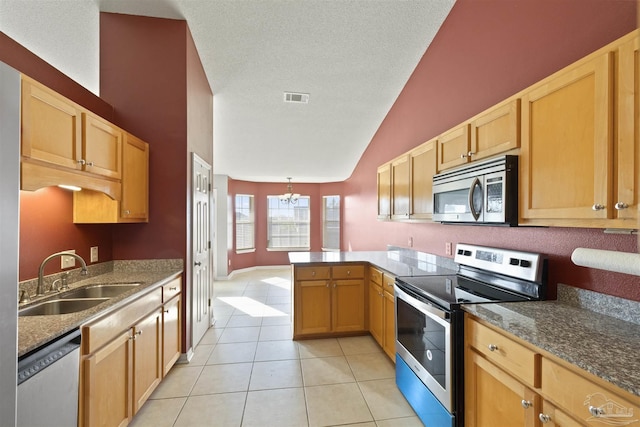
289	197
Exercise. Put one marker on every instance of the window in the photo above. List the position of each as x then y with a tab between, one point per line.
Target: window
331	223
245	223
288	224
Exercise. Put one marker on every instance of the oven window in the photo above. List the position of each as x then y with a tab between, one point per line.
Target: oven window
424	338
494	195
452	202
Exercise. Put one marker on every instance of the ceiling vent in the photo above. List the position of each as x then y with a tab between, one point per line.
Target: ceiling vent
296	98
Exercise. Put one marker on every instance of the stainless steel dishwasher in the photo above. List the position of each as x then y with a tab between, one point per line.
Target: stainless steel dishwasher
48	384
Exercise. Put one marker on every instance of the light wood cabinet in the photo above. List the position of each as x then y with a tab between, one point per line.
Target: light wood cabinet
567	139
422	167
509	382
400	175
384	192
96	207
453	147
101	146
126	353
382	324
495	131
328	301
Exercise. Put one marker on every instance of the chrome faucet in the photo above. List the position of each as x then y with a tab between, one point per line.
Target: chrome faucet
40	288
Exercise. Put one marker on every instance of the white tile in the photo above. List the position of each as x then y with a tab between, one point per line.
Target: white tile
275	333
219	322
400	422
275	408
276	350
247	334
276	374
359	345
232	353
223	379
319	348
158	413
326	370
211	336
336	404
201	354
213	410
371	366
275	318
385	400
243	320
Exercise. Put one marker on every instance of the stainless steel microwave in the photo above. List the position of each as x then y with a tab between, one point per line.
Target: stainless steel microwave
482	192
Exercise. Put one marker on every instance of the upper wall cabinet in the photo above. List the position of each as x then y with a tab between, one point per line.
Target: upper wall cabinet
580	138
422	167
491	132
101	146
400	188
384	192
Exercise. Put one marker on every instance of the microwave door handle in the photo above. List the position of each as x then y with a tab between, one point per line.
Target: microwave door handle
472	208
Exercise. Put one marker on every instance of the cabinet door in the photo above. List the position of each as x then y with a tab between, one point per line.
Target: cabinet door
453	148
628	143
147	358
494	398
51	126
553	417
565	164
422	168
376	313
400	188
496	131
107	384
384	192
102	148
389	344
348	305
312	307
135	179
170	334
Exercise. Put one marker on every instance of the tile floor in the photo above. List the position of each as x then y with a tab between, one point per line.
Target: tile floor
247	371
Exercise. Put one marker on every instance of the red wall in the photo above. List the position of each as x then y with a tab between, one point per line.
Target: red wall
260	191
485	52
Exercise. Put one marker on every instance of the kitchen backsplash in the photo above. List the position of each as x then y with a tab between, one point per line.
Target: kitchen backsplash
619	308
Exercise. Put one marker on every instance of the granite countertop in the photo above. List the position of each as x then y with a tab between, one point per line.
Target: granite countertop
35	331
602	345
398	263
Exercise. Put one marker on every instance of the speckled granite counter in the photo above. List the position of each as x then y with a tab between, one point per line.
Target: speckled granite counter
35	331
400	262
602	345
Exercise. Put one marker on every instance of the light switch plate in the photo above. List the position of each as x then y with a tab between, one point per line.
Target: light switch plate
68	261
94	254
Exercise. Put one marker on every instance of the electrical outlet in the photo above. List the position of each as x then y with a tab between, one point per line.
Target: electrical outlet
410	242
68	261
448	248
94	254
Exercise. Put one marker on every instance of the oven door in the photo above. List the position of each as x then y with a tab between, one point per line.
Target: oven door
423	341
459	200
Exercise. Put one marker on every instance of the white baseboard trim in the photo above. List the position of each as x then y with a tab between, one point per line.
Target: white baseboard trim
249	269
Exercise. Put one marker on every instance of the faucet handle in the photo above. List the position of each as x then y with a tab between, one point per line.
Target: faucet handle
24	297
55	288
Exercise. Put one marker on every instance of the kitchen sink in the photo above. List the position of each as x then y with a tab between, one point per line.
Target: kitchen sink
61	306
107	290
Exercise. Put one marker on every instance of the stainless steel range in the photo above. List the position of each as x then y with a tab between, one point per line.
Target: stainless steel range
429	323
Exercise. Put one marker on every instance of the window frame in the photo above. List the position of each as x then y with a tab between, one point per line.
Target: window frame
251	221
306	222
324	223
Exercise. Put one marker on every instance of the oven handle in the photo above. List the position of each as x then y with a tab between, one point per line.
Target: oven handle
427	308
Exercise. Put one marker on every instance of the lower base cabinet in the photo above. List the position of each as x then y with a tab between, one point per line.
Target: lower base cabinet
126	353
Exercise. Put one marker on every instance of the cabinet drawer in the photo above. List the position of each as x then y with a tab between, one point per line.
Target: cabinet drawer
576	393
388	282
504	352
375	275
97	333
312	273
171	289
348	272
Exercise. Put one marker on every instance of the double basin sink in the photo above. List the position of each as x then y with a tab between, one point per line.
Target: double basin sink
78	299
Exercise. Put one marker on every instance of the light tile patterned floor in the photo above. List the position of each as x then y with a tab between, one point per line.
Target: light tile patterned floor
247	371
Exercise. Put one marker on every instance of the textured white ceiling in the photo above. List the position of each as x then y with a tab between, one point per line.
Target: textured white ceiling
352	56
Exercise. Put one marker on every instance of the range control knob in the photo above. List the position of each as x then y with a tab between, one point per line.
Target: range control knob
514	261
524	263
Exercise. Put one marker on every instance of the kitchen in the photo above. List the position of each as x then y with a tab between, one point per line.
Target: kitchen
394	137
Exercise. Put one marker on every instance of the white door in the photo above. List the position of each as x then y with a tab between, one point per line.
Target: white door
202	276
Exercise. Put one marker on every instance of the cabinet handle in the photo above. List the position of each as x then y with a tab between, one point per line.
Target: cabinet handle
597	207
595	411
348	272
313	273
328	284
470	153
173	288
134	336
526	404
463	156
81	162
621	205
139	332
166	311
127	212
493	347
544	418
197	264
89	163
334	285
